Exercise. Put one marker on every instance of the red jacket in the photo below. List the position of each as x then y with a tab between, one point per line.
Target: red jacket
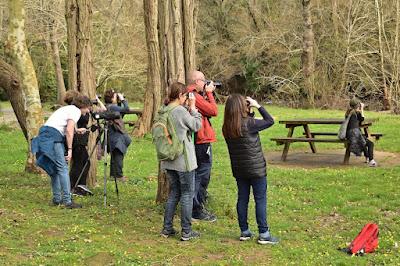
207	108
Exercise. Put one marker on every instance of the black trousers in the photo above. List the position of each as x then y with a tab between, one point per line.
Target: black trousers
117	163
79	158
369	149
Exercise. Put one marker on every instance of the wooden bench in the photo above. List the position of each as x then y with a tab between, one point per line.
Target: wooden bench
288	140
377	136
137	112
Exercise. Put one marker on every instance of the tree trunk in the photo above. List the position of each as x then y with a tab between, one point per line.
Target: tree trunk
170	38
57	63
396	61
190	10
307	57
11	84
387	98
81	75
335	18
22	61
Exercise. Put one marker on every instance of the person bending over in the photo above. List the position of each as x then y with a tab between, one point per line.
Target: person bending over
118	139
241	133
181	171
357	141
49	148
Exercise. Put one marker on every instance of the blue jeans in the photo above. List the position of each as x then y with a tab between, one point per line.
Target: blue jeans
181	189
259	186
203	174
60	182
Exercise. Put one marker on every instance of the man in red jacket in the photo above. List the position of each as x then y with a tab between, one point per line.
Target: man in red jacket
205	103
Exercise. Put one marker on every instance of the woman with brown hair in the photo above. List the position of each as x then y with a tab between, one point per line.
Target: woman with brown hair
181	171
241	133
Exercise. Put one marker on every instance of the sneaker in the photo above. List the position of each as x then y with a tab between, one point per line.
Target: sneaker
245	235
73	205
55	203
190	235
204	216
266	238
372	163
84	190
167	233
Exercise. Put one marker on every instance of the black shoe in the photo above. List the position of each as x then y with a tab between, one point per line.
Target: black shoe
167	233
204	216
55	203
190	235
82	190
73	205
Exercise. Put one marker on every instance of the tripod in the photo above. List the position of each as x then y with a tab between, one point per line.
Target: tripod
102	128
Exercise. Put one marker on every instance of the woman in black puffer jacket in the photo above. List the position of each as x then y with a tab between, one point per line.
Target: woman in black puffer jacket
248	164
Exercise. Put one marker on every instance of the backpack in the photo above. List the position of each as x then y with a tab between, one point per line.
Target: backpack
366	241
168	146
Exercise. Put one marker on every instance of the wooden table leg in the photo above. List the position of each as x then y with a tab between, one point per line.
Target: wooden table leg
347	154
287	144
308	135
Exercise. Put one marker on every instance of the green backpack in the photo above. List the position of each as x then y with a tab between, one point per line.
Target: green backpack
167	144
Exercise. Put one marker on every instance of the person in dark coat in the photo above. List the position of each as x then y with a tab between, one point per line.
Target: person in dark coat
118	139
241	133
358	142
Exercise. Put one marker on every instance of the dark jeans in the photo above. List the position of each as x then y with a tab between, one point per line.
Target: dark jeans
259	186
369	149
181	189
79	158
202	177
117	163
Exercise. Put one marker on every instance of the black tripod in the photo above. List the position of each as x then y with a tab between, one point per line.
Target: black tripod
102	129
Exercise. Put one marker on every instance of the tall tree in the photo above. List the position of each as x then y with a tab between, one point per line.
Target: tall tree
307	57
20	58
81	75
171	53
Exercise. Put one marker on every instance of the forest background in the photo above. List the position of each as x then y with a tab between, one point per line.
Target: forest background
254	47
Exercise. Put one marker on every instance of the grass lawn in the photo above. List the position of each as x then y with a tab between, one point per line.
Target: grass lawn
312	211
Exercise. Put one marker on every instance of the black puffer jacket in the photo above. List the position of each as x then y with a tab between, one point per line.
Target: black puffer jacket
247	157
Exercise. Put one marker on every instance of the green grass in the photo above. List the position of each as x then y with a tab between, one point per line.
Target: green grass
312	211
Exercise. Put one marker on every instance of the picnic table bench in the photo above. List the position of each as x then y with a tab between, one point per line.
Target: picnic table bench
137	112
311	138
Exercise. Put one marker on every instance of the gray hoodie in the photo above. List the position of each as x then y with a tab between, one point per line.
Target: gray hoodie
185	124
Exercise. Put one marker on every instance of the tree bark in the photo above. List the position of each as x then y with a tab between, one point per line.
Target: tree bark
81	75
21	59
307	57
335	18
170	37
190	9
387	98
57	63
11	84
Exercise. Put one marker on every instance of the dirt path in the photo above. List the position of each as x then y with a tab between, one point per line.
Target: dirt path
329	158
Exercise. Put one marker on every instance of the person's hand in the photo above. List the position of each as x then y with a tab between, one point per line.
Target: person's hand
252	102
362	105
69	155
81	130
192	103
210	87
120	96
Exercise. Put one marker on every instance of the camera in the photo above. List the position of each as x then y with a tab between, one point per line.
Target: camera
191	95
107	115
217	84
95	101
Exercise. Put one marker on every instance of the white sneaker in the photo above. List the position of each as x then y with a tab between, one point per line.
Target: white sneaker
372	163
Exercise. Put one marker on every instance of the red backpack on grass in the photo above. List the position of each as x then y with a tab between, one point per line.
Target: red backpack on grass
366	241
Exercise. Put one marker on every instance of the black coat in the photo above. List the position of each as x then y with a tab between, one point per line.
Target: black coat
247	157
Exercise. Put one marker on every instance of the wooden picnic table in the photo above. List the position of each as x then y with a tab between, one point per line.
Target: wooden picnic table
135	111
310	136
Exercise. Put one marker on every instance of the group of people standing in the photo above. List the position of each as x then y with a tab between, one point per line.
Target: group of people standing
189	177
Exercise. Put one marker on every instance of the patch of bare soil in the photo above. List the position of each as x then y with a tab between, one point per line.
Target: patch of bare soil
329	158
